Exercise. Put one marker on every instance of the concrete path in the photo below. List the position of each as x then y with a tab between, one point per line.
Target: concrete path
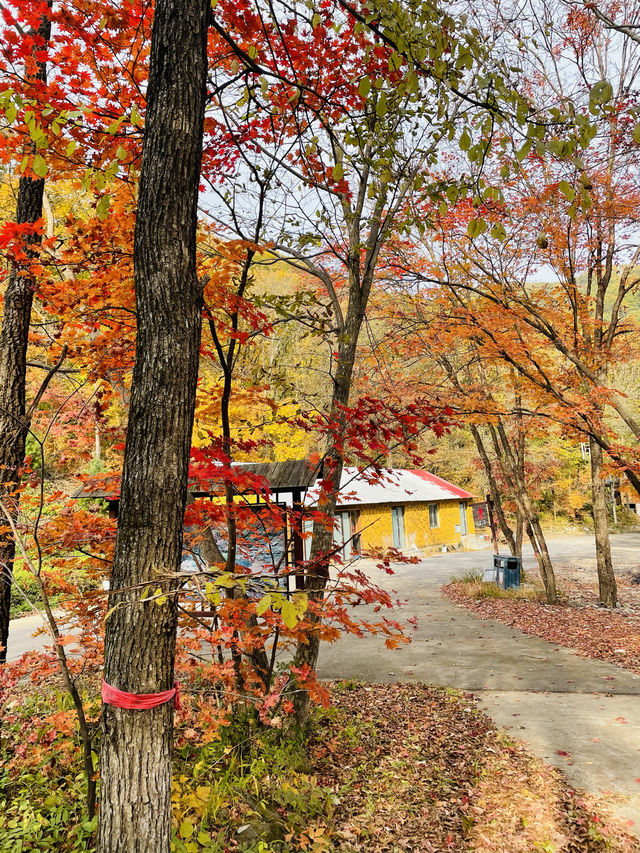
578	714
21	637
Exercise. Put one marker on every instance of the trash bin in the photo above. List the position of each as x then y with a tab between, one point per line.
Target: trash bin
507	571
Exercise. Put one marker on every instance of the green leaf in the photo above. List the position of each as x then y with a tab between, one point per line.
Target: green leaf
114	127
226	580
412	83
600	93
71	147
381	106
364	87
636	133
567	190
337	172
395	61
161	599
465	141
204	837
39	166
186	829
301	602
476	227
121	153
498	232
522	153
556	146
10	113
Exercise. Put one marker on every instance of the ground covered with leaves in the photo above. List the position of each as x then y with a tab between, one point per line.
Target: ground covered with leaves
398	767
578	623
418	768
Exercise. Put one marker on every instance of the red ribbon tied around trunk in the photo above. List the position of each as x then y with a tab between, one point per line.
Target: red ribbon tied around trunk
139	701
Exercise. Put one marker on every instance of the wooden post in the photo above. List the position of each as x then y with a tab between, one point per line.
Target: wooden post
492	523
298	544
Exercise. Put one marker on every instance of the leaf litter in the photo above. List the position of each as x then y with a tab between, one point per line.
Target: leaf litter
419	768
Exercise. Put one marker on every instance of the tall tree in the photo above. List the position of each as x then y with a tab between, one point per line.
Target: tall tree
14	335
135	797
348	121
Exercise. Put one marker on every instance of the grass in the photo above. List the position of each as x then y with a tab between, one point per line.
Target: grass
471	585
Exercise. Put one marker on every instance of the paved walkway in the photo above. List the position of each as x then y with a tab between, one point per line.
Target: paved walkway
578	714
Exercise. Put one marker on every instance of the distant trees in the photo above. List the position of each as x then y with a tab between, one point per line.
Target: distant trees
567	210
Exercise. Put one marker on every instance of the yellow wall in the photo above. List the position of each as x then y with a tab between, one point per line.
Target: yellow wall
376	529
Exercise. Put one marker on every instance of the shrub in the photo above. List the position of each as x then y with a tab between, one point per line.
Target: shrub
23	580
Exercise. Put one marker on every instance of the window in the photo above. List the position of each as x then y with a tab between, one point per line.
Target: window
433	515
397	525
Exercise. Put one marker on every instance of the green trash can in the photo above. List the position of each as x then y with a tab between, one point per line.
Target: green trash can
507	571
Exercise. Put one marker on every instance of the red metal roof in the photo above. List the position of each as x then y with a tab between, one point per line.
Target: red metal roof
438	481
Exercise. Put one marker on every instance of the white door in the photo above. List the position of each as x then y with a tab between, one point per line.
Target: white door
397	526
342	534
464	529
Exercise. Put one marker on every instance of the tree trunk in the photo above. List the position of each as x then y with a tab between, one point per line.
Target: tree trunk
322	542
519	534
606	578
14	336
507	532
526	508
135	786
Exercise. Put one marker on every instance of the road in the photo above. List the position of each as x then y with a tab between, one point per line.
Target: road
578	714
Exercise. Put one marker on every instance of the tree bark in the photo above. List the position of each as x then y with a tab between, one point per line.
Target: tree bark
135	795
507	532
526	508
322	543
519	534
606	578
14	337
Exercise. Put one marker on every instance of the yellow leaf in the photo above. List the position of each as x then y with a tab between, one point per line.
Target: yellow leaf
263	605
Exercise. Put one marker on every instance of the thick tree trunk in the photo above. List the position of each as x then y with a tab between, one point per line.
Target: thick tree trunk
14	336
135	795
606	578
